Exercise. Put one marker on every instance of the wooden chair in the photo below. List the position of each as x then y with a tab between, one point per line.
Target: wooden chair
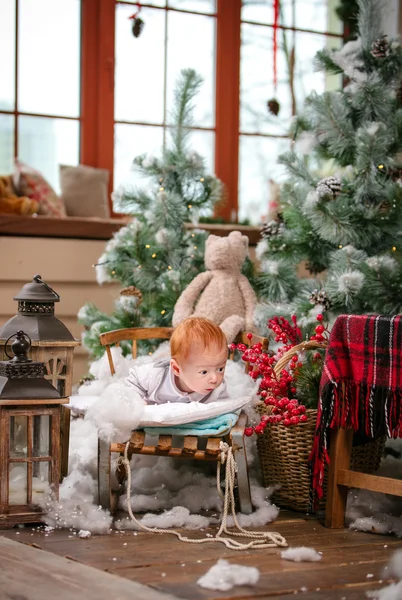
111	487
340	475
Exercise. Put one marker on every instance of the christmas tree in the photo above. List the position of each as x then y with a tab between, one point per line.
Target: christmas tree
156	256
341	208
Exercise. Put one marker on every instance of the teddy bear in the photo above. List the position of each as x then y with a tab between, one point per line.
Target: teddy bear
221	293
10	203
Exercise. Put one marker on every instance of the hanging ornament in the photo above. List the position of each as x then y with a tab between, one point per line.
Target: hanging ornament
272	229
380	48
138	24
329	186
273	106
320	297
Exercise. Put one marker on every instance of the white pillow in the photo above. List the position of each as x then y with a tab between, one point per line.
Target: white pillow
179	413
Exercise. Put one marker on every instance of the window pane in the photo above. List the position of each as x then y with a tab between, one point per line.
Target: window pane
256	73
45	143
318	15
203	6
41	436
7	54
17	484
257	86
18	436
139	80
203	142
131	141
49	57
40	481
7	143
191	45
258	164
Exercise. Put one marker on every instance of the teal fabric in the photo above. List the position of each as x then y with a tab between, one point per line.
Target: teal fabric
215	426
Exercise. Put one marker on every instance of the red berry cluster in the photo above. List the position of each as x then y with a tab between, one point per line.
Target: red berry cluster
277	390
285	332
319	330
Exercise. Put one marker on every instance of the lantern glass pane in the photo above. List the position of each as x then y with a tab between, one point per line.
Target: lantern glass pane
17	484
40	481
41	435
18	436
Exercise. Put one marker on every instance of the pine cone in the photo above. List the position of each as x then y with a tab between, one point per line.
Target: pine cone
132	291
273	106
138	26
320	297
329	186
380	48
271	229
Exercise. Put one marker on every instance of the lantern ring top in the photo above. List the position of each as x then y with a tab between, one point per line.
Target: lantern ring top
19	335
38	279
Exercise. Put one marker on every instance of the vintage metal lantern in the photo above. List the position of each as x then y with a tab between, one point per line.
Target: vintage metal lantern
51	342
30	435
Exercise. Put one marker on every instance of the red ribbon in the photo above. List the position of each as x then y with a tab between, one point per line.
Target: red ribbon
135	15
275	41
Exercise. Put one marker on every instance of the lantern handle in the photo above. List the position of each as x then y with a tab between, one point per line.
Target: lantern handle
38	279
11	336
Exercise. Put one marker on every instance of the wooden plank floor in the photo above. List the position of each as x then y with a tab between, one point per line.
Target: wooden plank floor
352	562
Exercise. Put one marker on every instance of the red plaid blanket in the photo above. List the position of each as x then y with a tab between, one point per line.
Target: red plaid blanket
361	384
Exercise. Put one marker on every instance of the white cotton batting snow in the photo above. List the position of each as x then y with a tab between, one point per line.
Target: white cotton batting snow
224	575
393	591
301	554
117	412
179	516
375	512
179	490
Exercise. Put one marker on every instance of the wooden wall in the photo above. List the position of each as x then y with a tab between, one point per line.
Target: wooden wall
66	265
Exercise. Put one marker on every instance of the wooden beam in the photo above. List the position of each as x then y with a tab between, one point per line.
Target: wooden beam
364	481
89	83
99	229
228	103
32	574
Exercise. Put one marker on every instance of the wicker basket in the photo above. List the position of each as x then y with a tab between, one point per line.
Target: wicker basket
284	451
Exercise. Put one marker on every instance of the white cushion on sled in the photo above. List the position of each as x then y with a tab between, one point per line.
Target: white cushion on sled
179	413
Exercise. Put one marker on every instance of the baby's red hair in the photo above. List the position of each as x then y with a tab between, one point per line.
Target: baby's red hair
195	332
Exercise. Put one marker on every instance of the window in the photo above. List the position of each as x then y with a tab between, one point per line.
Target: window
301	28
77	86
40	91
177	35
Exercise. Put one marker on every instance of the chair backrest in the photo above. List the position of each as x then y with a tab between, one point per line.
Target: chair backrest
134	334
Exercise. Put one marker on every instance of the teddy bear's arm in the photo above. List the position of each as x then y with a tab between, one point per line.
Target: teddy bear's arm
250	301
184	306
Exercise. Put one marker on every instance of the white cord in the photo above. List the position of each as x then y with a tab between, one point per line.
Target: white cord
259	539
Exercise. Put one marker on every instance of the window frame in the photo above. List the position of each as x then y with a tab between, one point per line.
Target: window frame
97	94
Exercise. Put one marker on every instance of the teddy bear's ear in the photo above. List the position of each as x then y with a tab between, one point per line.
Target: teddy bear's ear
238	238
211	239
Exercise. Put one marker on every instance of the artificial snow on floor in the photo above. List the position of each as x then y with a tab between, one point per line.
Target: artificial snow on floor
301	554
170	492
224	575
173	493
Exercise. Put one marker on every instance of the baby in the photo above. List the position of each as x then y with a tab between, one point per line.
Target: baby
195	371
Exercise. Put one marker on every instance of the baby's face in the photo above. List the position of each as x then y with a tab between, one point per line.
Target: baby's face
202	371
